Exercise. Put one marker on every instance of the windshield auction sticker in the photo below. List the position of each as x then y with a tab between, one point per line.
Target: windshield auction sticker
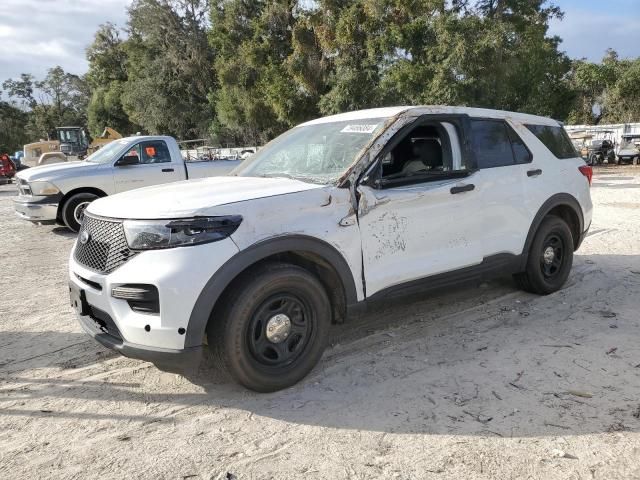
359	129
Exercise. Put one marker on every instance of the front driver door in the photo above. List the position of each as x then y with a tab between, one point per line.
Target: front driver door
425	224
154	167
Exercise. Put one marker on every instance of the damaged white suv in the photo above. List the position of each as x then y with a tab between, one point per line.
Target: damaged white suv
329	215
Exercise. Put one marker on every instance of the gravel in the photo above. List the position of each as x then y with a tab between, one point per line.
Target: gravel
480	381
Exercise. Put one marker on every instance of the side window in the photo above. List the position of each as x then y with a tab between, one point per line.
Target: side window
134	152
426	152
491	144
555	138
155	151
521	153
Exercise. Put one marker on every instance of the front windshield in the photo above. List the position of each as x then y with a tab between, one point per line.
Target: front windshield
106	153
317	153
68	136
629	142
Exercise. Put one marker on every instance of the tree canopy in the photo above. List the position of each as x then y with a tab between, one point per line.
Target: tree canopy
243	71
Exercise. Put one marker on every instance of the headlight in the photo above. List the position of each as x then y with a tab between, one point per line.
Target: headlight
155	234
43	189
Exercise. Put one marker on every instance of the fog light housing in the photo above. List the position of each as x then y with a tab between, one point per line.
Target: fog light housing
141	298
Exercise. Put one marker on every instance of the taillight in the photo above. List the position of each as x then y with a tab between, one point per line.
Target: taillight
587	171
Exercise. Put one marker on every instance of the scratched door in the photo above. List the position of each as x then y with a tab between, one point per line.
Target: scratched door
415	231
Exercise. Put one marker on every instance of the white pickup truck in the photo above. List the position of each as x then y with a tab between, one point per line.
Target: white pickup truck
60	193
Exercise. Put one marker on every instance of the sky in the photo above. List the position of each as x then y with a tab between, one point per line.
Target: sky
38	34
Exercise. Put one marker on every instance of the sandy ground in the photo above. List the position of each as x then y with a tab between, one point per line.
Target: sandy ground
479	382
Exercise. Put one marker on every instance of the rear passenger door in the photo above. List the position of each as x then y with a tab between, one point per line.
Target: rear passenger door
154	167
503	161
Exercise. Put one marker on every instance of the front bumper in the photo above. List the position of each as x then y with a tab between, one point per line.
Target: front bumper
164	358
179	274
37	209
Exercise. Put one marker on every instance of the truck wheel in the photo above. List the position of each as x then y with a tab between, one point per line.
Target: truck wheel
273	328
550	258
73	209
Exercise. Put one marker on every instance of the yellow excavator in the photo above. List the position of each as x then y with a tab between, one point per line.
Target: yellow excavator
71	144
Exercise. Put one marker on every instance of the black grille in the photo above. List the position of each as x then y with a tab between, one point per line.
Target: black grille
106	248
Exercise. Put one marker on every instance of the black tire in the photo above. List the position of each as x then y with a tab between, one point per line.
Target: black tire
238	336
74	207
545	275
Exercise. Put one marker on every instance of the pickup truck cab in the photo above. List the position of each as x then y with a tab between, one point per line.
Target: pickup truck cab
330	215
61	192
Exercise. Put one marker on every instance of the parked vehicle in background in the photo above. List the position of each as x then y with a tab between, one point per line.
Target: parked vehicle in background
17	160
601	150
335	212
7	169
61	192
581	141
70	144
629	151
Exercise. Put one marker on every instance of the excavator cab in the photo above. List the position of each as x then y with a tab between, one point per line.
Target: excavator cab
73	141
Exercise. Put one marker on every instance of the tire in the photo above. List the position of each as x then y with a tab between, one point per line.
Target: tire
74	207
238	337
547	275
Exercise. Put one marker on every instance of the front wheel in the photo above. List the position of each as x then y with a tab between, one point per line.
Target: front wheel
73	209
550	258
273	328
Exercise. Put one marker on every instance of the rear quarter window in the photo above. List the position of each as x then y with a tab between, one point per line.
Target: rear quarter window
555	138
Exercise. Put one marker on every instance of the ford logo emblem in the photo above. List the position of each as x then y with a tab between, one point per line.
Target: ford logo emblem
84	237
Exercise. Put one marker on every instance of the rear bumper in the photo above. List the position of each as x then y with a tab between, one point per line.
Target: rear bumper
167	359
44	210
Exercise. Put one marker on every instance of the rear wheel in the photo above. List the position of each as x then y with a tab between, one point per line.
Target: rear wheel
73	209
550	258
273	329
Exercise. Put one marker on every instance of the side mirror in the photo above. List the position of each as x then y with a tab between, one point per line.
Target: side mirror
128	160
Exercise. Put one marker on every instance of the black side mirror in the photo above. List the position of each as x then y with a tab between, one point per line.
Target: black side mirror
128	160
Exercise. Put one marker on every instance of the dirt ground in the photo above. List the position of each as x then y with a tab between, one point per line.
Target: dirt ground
478	382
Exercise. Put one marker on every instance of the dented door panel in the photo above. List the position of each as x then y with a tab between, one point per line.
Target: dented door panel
419	230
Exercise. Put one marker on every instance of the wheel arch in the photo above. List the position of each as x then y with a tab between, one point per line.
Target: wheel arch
71	193
564	206
311	253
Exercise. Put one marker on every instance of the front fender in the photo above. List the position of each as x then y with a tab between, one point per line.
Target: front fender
259	251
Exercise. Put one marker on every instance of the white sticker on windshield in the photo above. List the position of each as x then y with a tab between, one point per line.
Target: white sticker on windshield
359	129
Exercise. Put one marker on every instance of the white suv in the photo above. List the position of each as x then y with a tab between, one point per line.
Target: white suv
331	214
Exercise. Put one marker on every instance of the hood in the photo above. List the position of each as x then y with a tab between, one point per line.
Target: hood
193	197
628	150
56	171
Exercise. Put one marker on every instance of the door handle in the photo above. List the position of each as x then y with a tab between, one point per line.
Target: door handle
462	188
534	173
167	170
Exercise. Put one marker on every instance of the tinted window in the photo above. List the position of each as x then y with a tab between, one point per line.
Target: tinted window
155	152
555	138
491	144
520	152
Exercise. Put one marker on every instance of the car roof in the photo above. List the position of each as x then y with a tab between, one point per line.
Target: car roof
142	137
389	112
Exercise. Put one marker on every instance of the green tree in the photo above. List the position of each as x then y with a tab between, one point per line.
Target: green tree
107	76
169	67
262	91
59	99
13	122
